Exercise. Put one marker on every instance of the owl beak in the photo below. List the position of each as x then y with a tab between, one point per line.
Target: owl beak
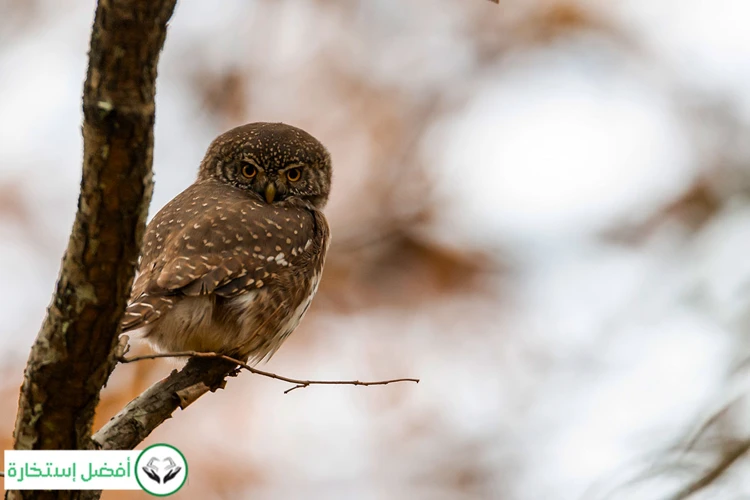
270	192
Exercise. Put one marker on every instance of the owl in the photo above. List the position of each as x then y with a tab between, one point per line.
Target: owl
231	264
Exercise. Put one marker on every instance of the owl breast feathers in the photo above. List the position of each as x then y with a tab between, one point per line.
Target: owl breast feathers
231	264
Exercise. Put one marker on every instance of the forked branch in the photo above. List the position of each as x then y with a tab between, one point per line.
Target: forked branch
299	384
204	372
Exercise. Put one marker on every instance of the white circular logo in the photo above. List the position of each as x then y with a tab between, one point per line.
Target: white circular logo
161	469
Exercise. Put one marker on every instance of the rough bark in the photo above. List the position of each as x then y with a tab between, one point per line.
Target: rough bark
76	348
147	411
72	356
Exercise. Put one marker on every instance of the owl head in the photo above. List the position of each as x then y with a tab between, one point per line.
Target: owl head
277	163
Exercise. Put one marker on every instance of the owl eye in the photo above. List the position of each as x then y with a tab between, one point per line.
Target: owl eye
249	171
293	174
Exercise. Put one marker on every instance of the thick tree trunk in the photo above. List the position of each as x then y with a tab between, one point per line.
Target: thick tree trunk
73	353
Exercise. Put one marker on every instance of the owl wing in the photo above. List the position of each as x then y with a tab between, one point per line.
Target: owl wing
226	251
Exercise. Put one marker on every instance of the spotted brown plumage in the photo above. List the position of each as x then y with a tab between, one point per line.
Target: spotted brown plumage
231	264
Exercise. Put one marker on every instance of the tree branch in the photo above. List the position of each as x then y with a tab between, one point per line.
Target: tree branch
729	457
204	372
299	384
147	411
72	356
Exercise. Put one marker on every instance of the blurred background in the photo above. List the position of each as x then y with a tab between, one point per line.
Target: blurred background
540	208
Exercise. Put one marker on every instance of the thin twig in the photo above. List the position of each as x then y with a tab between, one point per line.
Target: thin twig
203	372
299	384
715	472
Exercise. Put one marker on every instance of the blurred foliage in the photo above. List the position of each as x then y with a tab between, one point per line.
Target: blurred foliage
404	293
